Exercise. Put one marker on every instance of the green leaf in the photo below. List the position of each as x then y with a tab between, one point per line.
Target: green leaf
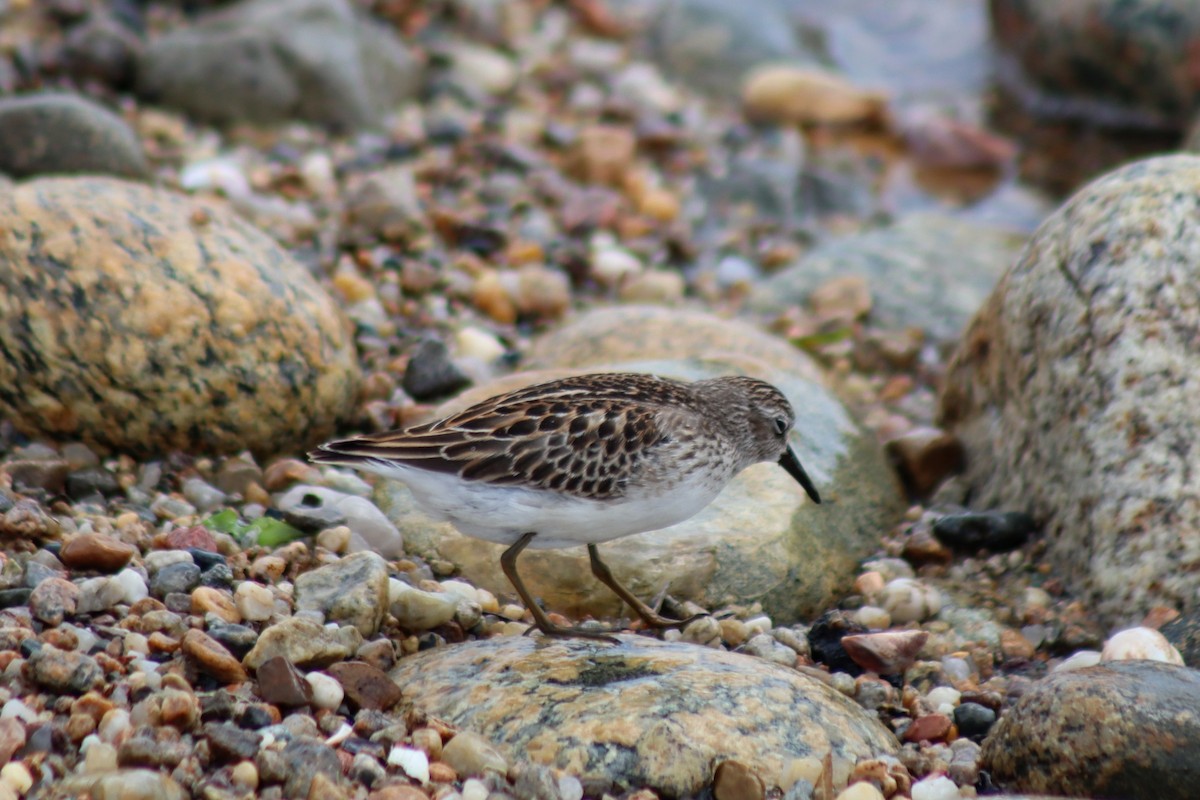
271	532
226	521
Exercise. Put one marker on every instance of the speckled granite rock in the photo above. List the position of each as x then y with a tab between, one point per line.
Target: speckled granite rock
927	270
761	539
270	61
1108	60
146	321
64	133
642	713
1124	729
1074	389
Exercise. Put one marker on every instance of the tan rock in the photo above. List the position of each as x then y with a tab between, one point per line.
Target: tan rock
808	96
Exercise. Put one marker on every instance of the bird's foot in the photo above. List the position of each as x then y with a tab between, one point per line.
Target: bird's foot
659	622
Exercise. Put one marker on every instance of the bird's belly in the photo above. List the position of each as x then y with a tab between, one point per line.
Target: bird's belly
503	514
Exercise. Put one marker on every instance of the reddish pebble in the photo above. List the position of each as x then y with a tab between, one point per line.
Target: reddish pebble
887	653
930	728
196	536
96	551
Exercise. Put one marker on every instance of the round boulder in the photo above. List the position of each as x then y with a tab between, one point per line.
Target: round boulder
761	540
146	321
1073	390
643	713
1121	729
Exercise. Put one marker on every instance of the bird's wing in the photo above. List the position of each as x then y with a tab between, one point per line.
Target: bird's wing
586	438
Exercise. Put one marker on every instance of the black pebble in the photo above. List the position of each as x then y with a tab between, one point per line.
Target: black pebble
431	374
997	531
825	641
974	720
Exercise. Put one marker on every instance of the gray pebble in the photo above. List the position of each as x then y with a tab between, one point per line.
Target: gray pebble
179	577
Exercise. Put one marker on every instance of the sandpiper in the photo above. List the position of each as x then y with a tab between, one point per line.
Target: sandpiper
582	460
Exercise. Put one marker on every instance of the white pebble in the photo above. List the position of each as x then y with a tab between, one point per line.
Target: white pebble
134	585
569	788
909	600
415	764
611	264
340	735
101	757
16	775
478	344
1133	644
157	559
873	618
254	601
936	788
474	789
15	709
1079	660
760	624
461	589
944	696
326	691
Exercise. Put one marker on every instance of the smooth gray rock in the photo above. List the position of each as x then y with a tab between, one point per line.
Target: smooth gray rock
271	61
65	134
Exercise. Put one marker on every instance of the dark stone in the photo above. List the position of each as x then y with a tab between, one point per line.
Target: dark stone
1121	729
206	559
974	720
825	641
36	572
280	683
431	374
304	758
218	577
254	717
228	742
63	134
217	705
366	686
92	481
997	531
11	598
180	577
238	639
1184	633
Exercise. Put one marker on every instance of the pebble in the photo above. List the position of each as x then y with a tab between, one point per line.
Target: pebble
166	507
860	791
470	755
207	600
18	777
94	551
925	457
1140	643
324	508
211	657
735	781
136	784
937	787
414	763
53	600
35	572
908	600
418	610
943	695
64	671
156	560
281	684
178	578
133	586
973	720
431	373
367	686
304	643
1079	660
885	653
475	789
326	691
254	602
997	531
100	594
351	591
612	265
873	617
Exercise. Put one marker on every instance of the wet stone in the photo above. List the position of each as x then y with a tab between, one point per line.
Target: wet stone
90	482
350	591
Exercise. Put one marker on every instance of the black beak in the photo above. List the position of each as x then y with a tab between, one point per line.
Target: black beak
792	464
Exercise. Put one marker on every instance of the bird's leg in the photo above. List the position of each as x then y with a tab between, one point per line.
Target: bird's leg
648	614
508	562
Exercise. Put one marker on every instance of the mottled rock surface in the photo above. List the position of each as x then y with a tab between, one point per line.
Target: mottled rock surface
350	591
1123	729
760	540
143	320
1107	60
641	713
271	61
1073	390
926	271
55	133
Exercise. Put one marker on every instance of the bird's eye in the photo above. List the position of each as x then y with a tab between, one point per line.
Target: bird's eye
781	425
